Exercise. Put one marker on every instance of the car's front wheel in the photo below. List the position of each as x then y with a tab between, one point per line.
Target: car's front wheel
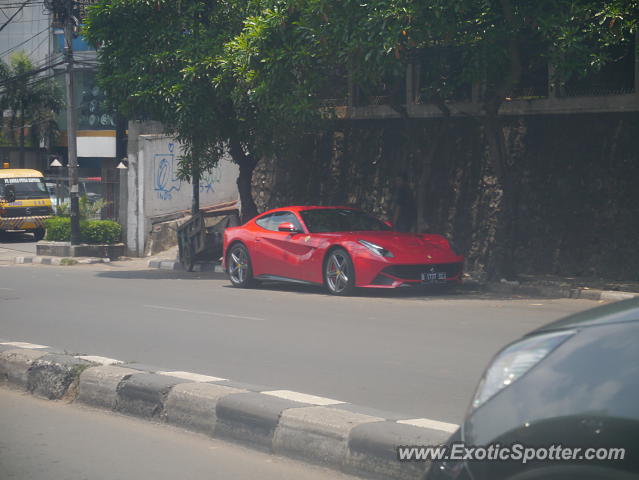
339	273
38	234
238	264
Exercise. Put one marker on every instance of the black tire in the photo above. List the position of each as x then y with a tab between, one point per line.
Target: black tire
38	234
238	266
339	273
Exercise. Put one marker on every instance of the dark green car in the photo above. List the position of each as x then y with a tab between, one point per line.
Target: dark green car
561	403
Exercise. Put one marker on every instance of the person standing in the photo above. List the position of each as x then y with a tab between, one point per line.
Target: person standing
405	211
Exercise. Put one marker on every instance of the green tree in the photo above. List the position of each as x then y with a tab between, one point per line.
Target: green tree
164	60
32	101
465	42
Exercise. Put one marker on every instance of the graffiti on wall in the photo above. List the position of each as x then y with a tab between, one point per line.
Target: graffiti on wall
209	178
166	182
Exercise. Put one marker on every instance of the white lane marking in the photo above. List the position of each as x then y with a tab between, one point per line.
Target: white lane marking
302	397
32	346
428	423
195	377
201	312
99	359
2	288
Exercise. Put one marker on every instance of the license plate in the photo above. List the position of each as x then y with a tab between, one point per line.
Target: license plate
433	277
28	225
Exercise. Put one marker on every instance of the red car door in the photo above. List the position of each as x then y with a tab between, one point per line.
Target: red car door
279	253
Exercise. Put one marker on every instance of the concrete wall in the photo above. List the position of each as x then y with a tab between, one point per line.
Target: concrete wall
166	193
154	192
575	183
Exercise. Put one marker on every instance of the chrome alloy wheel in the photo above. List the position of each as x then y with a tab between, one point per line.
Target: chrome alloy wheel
338	272
238	265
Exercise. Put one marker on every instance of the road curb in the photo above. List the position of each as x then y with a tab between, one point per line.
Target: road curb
556	291
175	265
53	375
98	386
194	405
305	427
144	395
58	260
318	434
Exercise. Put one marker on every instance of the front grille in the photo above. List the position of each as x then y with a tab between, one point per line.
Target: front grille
383	280
414	272
13	212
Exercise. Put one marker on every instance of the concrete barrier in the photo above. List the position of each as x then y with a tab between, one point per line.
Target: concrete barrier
193	405
317	430
98	386
144	394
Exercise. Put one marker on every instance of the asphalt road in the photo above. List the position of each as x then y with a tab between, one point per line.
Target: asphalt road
15	244
48	440
410	353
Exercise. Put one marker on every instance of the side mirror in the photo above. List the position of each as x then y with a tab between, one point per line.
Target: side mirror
287	227
9	193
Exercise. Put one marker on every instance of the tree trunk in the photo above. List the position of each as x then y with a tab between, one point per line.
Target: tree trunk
195	182
437	138
247	165
500	264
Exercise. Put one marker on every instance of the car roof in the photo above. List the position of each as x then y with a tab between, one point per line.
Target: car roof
617	312
299	208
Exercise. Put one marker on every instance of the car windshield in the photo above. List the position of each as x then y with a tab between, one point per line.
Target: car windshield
340	220
25	187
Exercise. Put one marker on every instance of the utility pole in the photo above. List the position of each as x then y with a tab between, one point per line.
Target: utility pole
71	125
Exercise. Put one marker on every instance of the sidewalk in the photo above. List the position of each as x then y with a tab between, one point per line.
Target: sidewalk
553	286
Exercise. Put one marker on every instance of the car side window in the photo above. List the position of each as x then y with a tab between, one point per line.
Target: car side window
264	221
272	222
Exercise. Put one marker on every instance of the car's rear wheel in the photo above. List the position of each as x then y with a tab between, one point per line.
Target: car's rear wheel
339	273
239	268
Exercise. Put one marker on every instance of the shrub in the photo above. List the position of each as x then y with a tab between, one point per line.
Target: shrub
100	231
58	229
91	231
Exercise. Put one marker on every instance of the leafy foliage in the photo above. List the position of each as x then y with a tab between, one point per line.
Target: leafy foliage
31	101
88	209
249	76
101	231
58	229
91	231
165	60
460	42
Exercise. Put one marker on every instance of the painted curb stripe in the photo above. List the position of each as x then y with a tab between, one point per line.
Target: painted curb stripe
195	377
302	397
31	346
432	424
98	359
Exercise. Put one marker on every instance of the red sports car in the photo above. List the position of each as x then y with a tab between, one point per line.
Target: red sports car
339	247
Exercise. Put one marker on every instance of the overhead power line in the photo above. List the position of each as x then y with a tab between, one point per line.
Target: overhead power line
26	41
28	74
14	15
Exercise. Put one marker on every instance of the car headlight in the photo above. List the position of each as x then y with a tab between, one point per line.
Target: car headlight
376	249
514	361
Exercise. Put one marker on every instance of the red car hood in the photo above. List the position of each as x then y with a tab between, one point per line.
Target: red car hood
410	247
